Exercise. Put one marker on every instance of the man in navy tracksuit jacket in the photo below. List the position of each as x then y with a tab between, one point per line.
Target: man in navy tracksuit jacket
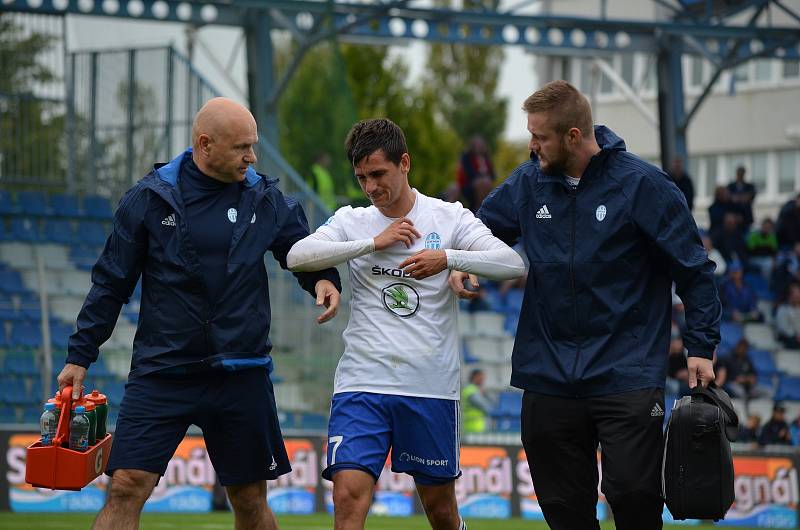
606	234
196	230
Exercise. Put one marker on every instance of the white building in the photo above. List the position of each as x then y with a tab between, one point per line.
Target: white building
751	117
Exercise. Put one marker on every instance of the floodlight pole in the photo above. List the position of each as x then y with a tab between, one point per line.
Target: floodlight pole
670	100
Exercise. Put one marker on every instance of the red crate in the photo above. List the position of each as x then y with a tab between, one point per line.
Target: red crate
59	468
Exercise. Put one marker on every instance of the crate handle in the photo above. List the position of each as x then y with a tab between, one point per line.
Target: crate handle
62	432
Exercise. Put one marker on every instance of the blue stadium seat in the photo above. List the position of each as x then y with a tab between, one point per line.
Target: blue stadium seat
7	205
763	362
59	231
32	414
14	391
731	333
21	364
7	311
11	282
24	229
59	336
788	389
508	424
92	233
26	334
4	234
509	403
65	205
514	301
97	207
495	300
31	308
8	414
33	203
84	257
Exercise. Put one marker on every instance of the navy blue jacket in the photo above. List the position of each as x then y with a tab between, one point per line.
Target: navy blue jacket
596	314
178	324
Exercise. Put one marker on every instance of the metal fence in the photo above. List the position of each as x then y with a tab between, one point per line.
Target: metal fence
98	124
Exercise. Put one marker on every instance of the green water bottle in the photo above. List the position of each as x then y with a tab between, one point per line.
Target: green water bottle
101	408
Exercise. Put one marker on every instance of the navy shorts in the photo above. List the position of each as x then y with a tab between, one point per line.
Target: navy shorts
422	433
236	411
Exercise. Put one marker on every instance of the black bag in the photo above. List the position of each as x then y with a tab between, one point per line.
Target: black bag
697	471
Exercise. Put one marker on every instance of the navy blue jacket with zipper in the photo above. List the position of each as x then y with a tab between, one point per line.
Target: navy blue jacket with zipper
179	326
596	315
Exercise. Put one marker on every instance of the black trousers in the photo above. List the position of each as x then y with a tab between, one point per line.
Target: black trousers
561	436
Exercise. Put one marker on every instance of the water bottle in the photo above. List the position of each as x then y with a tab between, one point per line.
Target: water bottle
101	408
79	431
49	423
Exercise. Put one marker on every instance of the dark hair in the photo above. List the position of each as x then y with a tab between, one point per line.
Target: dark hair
474	373
368	136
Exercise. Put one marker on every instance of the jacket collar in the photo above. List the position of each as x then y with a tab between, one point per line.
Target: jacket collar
608	142
169	172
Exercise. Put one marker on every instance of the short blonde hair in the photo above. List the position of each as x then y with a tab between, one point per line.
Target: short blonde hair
566	106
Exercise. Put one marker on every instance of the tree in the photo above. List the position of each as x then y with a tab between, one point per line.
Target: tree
31	128
465	78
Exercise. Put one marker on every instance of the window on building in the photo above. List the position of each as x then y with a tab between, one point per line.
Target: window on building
788	163
742	72
758	171
696	72
606	85
764	70
585	76
627	68
791	69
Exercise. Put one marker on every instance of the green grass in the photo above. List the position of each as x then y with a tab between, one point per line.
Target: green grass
223	521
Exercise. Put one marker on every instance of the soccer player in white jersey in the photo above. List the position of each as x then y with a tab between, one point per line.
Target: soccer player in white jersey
397	384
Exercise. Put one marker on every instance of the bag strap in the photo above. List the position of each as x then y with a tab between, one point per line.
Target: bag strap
720	398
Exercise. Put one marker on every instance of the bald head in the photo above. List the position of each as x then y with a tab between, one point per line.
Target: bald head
223	136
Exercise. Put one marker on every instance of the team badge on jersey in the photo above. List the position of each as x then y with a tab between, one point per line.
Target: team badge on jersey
600	213
232	215
401	299
433	241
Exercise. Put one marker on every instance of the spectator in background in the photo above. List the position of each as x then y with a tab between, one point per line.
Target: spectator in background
682	180
716	257
787	269
728	239
750	430
475	173
323	182
776	430
737	375
762	246
722	205
794	431
739	301
787	319
788	226
742	195
475	406
677	367
451	193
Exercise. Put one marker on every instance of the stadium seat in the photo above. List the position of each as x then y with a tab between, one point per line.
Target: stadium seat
33	203
488	323
514	301
59	336
731	333
65	205
59	231
508	424
509	403
11	282
788	361
788	389
24	229
8	414
21	364
92	233
31	414
763	362
97	207
84	257
7	310
7	205
25	334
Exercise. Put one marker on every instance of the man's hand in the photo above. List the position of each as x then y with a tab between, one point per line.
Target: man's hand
456	281
700	370
72	374
401	230
425	263
327	295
